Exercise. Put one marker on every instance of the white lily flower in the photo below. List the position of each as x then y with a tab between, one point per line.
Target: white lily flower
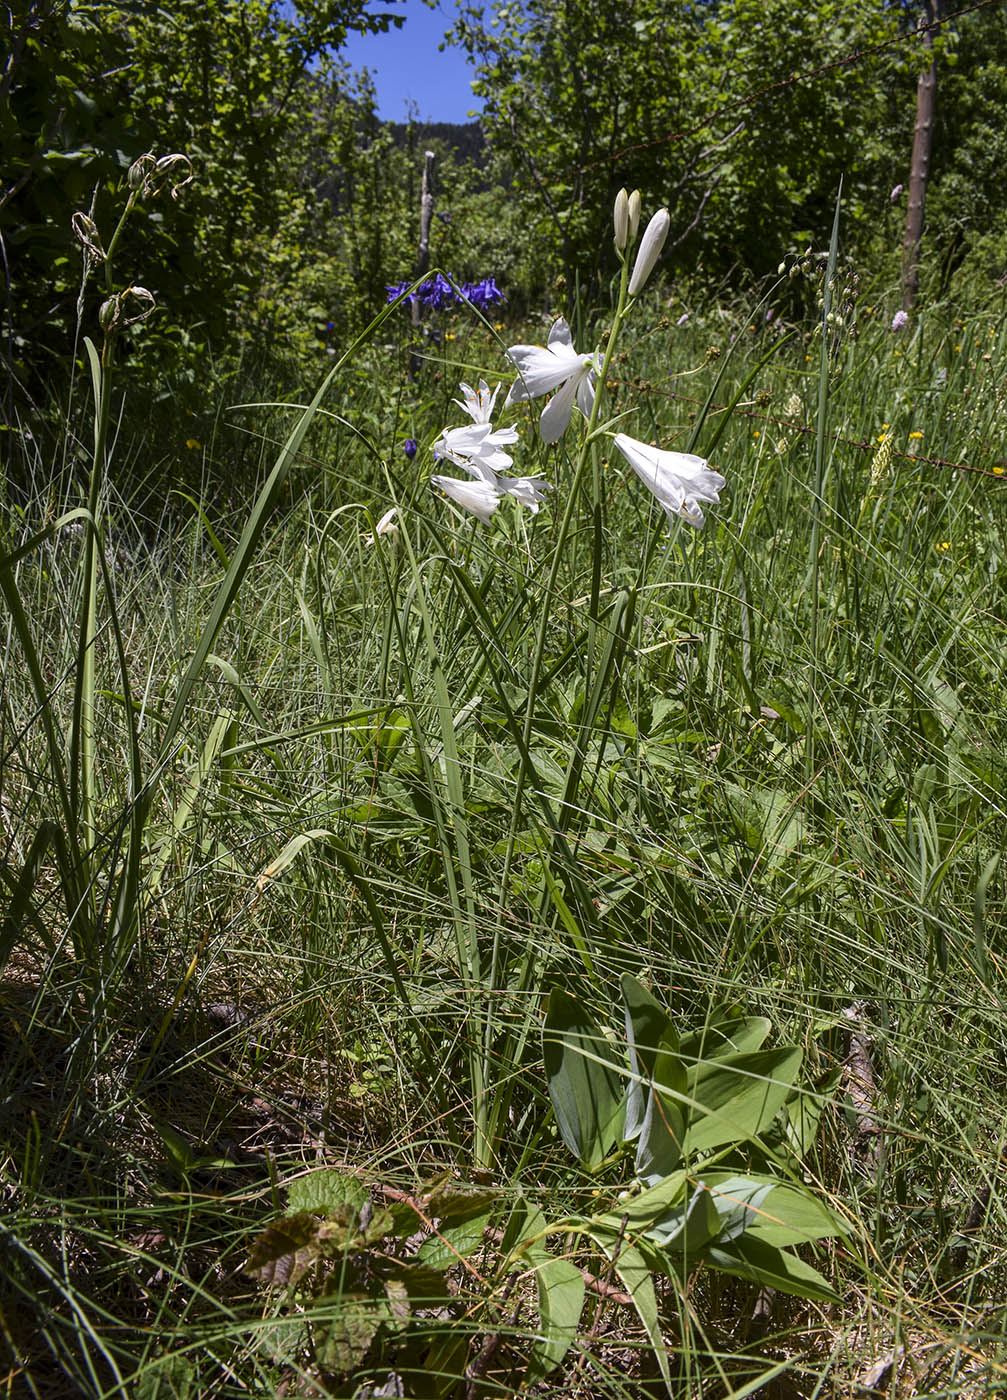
478	497
477	447
478	403
678	479
554	366
526	489
386	527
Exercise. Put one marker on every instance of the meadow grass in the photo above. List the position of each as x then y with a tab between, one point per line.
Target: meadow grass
409	787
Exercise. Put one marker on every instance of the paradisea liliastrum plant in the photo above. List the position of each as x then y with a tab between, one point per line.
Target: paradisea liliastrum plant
568	379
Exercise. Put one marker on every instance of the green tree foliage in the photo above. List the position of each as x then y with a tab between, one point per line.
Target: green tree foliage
967	201
742	115
244	87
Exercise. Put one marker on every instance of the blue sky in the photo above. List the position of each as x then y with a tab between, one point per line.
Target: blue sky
406	66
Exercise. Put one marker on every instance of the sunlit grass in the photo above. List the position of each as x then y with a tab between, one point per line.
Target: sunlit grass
786	795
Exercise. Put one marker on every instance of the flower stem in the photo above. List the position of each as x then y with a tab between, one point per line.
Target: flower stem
587	455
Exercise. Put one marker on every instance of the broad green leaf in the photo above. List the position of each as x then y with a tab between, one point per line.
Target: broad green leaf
737	1098
737	1200
646	1023
323	1191
684	1232
345	1324
560	1287
785	1215
456	1240
640	1212
769	1267
804	1113
449	1196
585	1089
659	1150
734	1035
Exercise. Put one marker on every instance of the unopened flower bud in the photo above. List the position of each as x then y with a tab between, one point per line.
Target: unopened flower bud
620	218
635	200
139	170
650	250
108	313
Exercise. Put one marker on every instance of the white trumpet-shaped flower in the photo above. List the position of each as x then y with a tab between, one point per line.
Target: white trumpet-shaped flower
477	444
478	403
387	527
678	479
554	368
526	489
478	497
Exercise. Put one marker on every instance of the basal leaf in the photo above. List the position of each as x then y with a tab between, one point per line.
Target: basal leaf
682	1233
560	1287
646	1023
738	1097
731	1035
783	1215
584	1086
635	1276
769	1267
640	1212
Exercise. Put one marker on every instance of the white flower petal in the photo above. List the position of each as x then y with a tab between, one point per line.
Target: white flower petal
555	367
480	468
478	403
477	442
585	394
556	414
560	334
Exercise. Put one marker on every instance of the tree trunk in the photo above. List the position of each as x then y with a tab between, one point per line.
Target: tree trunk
426	215
926	95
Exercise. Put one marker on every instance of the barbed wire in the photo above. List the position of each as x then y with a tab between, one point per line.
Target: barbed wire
742	104
996	473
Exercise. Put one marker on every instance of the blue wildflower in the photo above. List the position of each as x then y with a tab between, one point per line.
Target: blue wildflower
394	292
438	293
483	294
410	447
